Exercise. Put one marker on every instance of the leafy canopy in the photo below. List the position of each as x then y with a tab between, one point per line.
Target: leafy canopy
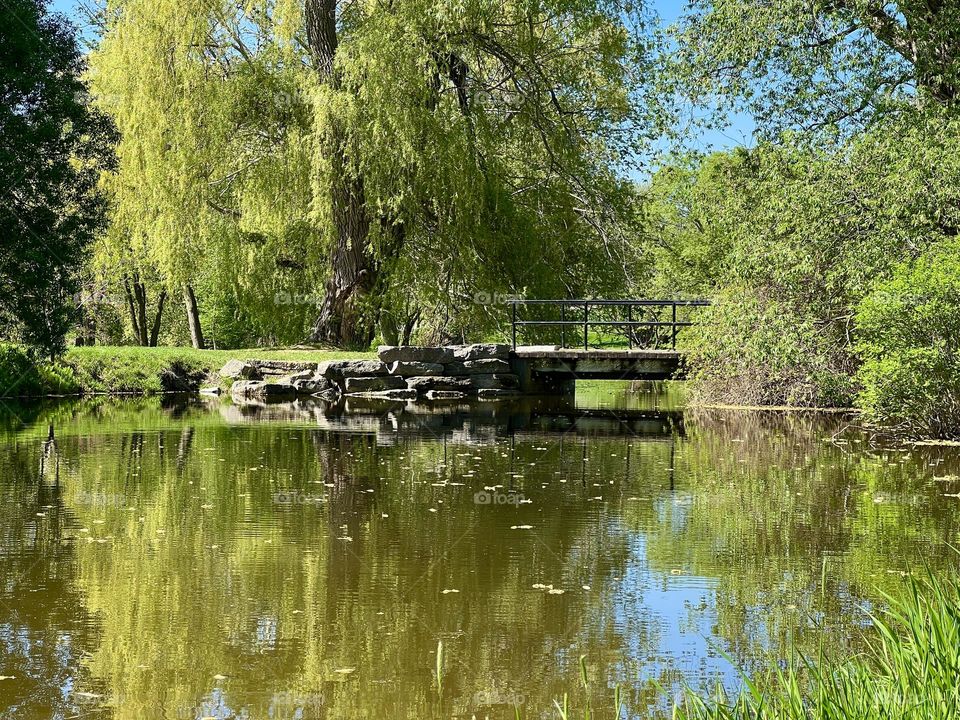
495	134
52	150
820	65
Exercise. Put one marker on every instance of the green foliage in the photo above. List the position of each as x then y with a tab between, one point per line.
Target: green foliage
52	151
504	184
855	174
490	140
792	239
754	349
816	66
909	337
909	671
23	374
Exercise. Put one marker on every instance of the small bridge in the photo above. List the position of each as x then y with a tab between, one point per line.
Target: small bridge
597	340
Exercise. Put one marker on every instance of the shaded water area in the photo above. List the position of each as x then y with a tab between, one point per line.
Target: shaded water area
190	558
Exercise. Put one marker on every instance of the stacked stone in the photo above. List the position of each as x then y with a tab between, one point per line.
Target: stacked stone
277	379
400	373
452	372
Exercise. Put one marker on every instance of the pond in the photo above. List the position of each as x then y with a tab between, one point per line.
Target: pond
191	558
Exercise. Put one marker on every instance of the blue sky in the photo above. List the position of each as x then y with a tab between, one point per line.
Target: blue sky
737	133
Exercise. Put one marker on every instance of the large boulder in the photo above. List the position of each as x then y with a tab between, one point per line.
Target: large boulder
262	389
414	353
482	351
298	376
500	381
235	369
339	370
314	384
414	369
379	383
425	384
284	367
478	367
245	388
277	389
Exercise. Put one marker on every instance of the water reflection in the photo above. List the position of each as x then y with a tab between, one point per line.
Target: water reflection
193	558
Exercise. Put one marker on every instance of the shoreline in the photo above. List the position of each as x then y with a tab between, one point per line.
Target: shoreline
779	408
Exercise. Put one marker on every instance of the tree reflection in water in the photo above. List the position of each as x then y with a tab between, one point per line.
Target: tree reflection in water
200	559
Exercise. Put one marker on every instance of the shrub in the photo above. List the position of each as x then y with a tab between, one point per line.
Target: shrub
24	374
751	348
909	337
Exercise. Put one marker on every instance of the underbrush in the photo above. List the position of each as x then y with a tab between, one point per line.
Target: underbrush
23	373
752	349
909	338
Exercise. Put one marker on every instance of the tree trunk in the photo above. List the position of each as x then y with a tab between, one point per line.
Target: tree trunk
193	317
140	294
409	326
87	325
155	332
342	320
389	328
131	306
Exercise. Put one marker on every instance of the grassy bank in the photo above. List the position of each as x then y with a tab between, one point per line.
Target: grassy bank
138	370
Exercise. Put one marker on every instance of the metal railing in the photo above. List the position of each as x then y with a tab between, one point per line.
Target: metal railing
579	310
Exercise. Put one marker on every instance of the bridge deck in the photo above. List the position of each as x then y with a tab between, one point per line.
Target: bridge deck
550	369
533	352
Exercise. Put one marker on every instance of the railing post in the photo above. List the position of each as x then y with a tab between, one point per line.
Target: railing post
630	327
673	341
563	328
586	316
513	323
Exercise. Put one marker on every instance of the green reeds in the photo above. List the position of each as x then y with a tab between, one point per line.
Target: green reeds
910	670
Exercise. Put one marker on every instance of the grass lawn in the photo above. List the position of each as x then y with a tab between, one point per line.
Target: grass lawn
214	359
138	369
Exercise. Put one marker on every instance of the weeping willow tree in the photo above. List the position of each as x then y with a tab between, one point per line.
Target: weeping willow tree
390	159
212	183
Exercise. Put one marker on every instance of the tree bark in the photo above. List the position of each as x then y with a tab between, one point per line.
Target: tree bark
389	328
132	308
409	326
140	294
343	319
193	317
155	332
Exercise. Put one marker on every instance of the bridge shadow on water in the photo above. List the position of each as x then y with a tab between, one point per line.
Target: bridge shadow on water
465	421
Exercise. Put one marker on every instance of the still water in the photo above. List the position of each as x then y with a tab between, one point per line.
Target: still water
190	558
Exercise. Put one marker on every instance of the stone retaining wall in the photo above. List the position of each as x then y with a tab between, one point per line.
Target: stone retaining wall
402	373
